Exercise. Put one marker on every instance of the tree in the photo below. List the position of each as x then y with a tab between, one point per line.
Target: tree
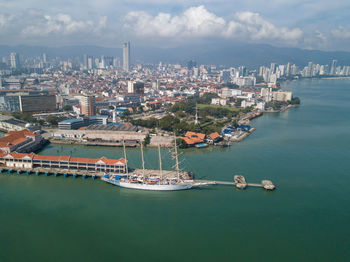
147	140
295	101
67	108
181	143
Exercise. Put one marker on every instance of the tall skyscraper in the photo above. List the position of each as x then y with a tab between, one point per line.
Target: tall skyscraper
333	67
288	69
85	61
44	58
14	60
126	56
88	107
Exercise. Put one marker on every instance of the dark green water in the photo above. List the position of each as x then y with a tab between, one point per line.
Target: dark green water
304	151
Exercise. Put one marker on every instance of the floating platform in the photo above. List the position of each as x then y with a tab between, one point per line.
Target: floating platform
238	181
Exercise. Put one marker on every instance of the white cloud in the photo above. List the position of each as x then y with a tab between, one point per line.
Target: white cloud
62	24
195	21
199	22
341	32
34	23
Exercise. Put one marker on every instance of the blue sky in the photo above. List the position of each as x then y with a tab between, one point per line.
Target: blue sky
307	24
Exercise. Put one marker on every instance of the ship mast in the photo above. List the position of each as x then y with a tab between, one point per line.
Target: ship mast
160	161
196	118
143	163
177	162
126	161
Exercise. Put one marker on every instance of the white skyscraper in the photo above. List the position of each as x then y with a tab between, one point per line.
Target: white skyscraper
126	56
14	59
333	67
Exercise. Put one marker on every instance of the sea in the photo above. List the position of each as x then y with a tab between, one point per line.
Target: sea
305	151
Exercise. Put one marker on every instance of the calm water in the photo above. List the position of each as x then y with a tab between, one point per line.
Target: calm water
304	151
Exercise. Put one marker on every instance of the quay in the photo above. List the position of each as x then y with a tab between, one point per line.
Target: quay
51	172
101	167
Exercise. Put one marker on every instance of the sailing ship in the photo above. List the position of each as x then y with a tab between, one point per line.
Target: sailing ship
157	181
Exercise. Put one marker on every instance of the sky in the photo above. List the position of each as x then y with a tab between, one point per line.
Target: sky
308	24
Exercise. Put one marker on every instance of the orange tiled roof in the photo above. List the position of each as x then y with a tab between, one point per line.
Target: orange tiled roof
15	137
214	135
65	158
194	135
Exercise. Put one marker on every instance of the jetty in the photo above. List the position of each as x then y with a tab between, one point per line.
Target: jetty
238	182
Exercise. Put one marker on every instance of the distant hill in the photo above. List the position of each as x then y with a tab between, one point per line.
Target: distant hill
227	54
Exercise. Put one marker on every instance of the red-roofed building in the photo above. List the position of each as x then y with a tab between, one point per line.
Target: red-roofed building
213	138
20	160
20	141
192	138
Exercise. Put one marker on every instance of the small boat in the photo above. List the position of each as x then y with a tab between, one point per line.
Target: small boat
201	145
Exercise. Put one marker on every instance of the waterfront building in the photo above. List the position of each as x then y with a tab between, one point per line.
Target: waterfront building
88	105
20	160
193	138
282	96
8	123
126	56
20	141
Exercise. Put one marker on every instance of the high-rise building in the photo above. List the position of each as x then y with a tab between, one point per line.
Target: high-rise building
88	107
136	88
44	58
14	60
85	62
333	67
90	62
126	56
288	69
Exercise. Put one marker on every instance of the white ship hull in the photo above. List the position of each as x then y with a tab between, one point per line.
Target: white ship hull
154	187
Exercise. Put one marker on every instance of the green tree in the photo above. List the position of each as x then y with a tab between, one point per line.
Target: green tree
67	108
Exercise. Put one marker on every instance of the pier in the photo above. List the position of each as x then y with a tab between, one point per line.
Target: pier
51	172
265	184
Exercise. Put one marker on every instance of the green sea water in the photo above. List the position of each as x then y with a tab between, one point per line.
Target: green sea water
304	151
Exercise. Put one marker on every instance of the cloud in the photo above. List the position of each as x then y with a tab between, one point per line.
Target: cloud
34	23
341	33
199	22
63	24
195	21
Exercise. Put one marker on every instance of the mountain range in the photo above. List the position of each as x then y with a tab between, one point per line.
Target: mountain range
226	54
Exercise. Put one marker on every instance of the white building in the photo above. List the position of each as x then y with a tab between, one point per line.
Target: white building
219	101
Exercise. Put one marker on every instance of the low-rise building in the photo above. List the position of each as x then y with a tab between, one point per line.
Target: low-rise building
282	96
29	161
21	141
219	101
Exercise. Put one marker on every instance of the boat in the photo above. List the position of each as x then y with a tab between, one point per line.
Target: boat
152	182
201	145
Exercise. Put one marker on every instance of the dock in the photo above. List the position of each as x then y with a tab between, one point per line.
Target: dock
52	172
238	181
